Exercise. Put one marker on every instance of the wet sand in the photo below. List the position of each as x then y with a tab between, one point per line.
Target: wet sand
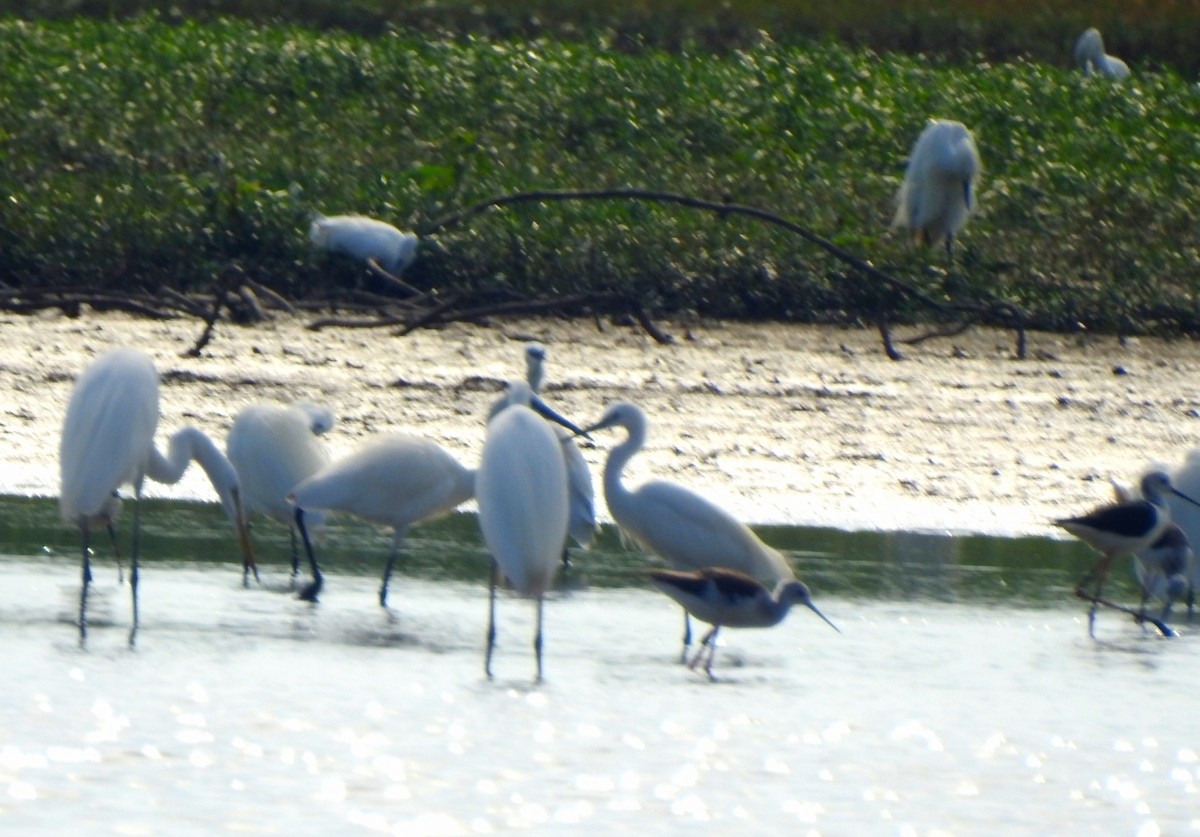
783	424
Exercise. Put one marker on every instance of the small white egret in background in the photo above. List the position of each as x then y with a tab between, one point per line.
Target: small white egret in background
689	531
367	239
394	479
1091	58
1122	528
108	442
728	598
274	447
521	489
582	525
938	192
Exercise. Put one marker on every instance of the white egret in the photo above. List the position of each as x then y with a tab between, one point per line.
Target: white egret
274	447
395	480
108	441
367	239
1122	528
1091	58
937	194
521	489
728	598
582	524
689	531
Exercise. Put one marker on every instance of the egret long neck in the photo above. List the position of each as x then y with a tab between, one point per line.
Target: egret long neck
189	444
615	492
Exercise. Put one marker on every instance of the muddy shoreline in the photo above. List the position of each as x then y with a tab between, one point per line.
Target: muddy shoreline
783	424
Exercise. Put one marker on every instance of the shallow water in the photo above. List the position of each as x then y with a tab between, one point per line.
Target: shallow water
963	695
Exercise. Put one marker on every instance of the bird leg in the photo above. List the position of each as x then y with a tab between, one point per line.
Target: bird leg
397	538
687	636
537	641
1099	572
1139	617
313	590
708	646
86	579
112	537
295	555
491	629
134	551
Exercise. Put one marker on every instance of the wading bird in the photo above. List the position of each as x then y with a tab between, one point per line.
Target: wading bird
1122	528
727	598
582	524
938	192
521	489
274	447
108	442
395	480
367	239
1091	58
689	531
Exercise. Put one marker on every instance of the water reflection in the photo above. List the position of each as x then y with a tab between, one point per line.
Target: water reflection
894	566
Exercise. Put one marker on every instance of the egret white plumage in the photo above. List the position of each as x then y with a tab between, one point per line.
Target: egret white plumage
274	447
367	239
728	598
938	192
521	489
394	479
108	442
582	525
1092	59
1123	528
689	531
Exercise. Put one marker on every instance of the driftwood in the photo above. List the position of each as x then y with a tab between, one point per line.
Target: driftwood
406	308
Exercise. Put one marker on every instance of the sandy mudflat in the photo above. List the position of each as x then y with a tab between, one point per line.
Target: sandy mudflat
784	424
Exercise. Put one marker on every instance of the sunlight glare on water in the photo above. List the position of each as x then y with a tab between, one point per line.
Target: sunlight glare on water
249	711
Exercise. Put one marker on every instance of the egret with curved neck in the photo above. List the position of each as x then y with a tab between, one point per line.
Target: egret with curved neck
688	530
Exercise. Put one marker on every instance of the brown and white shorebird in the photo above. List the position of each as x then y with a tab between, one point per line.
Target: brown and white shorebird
728	598
1122	528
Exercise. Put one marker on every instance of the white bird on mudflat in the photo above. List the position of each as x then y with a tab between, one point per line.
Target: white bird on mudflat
937	195
521	489
689	531
727	598
394	479
367	239
1123	528
1091	58
582	524
274	447
108	442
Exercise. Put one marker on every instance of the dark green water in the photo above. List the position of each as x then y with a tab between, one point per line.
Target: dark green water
891	566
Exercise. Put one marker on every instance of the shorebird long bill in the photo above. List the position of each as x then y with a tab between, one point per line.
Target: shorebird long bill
547	412
813	608
1179	493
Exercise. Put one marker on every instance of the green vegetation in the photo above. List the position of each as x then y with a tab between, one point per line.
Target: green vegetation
155	153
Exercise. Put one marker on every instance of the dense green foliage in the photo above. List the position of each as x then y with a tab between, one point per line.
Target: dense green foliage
151	152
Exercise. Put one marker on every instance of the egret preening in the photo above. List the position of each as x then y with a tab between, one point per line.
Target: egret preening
395	480
1091	58
274	447
938	192
367	239
521	489
689	531
1123	528
727	598
108	442
582	524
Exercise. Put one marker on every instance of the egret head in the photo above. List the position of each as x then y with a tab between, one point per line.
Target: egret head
535	358
621	414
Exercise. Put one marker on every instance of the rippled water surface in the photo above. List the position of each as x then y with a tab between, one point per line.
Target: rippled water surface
963	696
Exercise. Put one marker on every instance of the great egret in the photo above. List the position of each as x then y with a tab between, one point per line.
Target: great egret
395	480
937	194
365	238
1123	528
689	531
727	598
108	441
1091	58
274	447
582	524
521	489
